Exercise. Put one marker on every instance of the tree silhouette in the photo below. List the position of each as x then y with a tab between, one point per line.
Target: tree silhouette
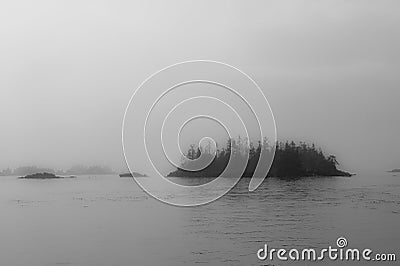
291	160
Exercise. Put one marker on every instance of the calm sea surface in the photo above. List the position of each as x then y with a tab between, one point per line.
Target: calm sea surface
107	220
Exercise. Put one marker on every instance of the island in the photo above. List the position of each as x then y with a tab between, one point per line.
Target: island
74	170
133	174
397	170
290	160
44	175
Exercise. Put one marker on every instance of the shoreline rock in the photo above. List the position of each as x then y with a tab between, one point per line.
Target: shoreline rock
135	174
188	174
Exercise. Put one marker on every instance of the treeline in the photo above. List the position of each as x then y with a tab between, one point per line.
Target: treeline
291	160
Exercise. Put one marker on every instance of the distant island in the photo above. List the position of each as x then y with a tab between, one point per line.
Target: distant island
44	175
133	174
87	170
74	170
290	160
397	170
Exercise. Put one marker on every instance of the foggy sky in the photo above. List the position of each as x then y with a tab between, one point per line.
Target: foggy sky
330	70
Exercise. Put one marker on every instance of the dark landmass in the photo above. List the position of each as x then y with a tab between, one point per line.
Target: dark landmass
135	174
75	170
44	175
397	170
291	160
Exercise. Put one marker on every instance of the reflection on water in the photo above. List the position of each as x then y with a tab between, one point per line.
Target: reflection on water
107	220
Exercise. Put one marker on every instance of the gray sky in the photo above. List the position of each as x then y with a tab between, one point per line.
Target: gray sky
329	69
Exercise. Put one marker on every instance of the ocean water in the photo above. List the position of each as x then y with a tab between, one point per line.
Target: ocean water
108	220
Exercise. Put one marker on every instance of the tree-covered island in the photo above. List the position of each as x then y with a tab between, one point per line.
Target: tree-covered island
44	175
290	160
